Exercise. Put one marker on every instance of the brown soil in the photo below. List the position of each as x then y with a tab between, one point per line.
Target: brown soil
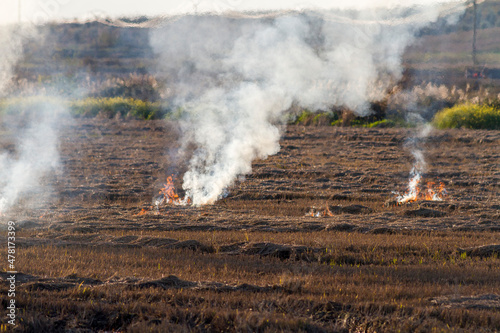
267	224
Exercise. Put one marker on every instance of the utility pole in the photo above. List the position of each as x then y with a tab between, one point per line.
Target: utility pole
19	11
474	50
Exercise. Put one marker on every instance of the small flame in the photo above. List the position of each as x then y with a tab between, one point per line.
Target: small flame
142	212
415	193
316	213
168	195
327	212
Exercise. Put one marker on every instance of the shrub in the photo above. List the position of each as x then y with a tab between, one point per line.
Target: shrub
468	116
317	119
143	87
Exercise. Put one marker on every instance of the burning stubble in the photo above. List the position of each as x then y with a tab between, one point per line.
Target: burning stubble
234	78
416	190
168	195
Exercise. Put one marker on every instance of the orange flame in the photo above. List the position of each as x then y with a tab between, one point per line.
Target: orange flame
327	212
142	212
168	191
415	193
169	194
316	213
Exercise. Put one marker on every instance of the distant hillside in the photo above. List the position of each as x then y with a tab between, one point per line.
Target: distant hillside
488	16
441	52
455	49
69	48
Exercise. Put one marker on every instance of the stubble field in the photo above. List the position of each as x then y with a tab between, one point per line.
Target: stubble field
99	257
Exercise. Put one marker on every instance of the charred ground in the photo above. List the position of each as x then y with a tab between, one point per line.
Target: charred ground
254	261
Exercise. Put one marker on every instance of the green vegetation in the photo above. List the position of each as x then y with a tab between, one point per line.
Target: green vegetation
112	106
468	116
24	105
88	107
485	116
309	118
384	123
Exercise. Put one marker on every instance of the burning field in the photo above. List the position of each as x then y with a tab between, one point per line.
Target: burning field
219	217
330	234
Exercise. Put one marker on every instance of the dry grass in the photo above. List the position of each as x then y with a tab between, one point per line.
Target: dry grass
254	262
354	282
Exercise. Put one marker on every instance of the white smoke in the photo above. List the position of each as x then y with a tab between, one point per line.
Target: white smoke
30	132
417	150
10	50
415	144
34	156
236	76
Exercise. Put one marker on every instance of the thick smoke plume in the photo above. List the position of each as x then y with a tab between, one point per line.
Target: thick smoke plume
236	76
32	129
34	156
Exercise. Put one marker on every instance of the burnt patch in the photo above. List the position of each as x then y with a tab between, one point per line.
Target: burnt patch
424	212
351	209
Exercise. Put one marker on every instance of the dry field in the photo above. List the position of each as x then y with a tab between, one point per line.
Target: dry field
256	261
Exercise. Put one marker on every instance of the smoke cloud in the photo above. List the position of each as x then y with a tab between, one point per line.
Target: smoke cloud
10	50
236	76
30	131
35	154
